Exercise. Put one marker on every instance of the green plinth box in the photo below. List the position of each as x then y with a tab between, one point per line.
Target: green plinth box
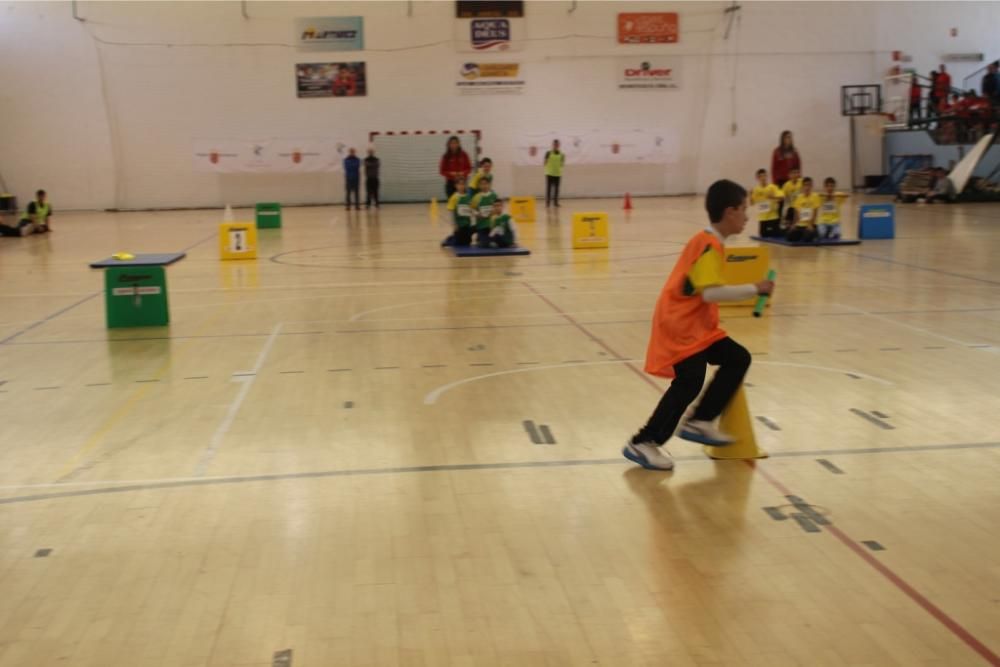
136	297
268	215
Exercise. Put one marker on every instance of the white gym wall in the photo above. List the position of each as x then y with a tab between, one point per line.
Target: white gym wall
102	124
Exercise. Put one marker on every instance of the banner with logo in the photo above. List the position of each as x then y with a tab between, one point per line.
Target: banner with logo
229	156
475	9
659	73
485	78
531	148
620	146
489	35
600	147
330	33
331	80
648	28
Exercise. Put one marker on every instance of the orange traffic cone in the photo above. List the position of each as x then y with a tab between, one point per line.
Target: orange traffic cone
628	202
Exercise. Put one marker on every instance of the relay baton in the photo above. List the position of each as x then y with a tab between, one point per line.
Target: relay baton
758	308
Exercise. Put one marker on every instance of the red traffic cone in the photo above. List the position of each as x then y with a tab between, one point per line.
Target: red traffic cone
628	202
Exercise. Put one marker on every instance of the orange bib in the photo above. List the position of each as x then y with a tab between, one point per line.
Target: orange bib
683	323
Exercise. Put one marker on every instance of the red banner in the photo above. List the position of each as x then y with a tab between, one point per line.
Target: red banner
648	28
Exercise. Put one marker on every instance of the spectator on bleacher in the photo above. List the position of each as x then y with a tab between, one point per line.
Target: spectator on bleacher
942	85
784	159
933	102
942	190
915	96
455	165
991	83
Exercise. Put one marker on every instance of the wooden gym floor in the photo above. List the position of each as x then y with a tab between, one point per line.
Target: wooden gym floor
324	459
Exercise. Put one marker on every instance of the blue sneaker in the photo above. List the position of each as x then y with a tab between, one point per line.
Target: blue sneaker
647	455
705	433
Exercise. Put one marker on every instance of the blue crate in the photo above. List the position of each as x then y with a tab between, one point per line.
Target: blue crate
877	221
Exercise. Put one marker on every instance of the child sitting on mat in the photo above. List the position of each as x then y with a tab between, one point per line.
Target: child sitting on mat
503	233
485	171
804	210
765	198
460	205
482	205
829	210
791	190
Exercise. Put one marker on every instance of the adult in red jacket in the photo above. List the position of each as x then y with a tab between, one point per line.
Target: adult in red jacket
784	159
455	165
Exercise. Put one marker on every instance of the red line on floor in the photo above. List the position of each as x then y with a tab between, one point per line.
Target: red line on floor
936	612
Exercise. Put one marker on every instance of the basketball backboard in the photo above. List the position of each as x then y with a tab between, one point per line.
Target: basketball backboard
861	100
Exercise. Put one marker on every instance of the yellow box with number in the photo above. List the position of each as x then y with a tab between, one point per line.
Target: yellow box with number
238	240
590	230
522	209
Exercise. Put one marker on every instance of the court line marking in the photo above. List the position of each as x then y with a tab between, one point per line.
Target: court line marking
48	318
911	327
82	301
432	396
123	486
491	297
949	623
246	380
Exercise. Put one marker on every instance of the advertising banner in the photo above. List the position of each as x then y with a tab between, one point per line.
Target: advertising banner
330	33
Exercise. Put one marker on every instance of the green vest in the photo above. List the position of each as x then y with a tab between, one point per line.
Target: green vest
484	204
464	213
554	163
506	226
41	213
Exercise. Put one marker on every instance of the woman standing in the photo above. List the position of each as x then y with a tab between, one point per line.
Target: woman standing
784	159
455	165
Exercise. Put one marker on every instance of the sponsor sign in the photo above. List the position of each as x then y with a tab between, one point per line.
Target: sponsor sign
330	33
648	28
474	78
649	73
331	80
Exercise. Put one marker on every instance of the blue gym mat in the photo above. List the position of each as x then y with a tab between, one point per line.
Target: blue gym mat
777	240
474	251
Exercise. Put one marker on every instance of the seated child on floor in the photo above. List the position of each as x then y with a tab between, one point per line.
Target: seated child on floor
460	205
791	190
485	170
482	205
765	198
829	211
503	233
805	207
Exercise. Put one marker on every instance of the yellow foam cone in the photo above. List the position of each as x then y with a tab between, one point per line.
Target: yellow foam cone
434	208
736	422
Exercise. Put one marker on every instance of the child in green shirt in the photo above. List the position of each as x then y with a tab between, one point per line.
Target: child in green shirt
482	204
463	215
503	233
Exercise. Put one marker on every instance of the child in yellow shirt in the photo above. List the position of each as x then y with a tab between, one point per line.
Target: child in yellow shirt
765	198
829	211
791	190
805	209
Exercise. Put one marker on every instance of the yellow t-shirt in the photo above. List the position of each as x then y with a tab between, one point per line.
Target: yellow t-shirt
791	190
807	206
453	201
763	199
829	211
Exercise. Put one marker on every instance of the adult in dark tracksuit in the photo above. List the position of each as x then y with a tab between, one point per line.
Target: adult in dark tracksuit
372	165
352	179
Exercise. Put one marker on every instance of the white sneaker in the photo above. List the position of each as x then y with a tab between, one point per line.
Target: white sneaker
647	455
705	433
